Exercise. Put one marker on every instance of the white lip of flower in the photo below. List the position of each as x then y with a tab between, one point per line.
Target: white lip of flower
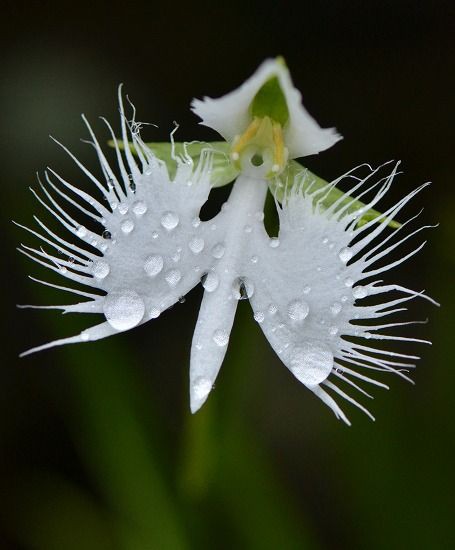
303	286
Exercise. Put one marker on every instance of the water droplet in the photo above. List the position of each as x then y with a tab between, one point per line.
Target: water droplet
154	312
133	187
85	335
220	337
182	299
139	208
123	208
169	220
196	222
176	257
319	269
259	316
311	362
360	292
218	251
254	259
333	330
155	234
127	226
242	289
196	245
201	387
173	277
71	260
335	308
298	310
63	269
274	242
348	282
110	183
210	281
248	229
345	254
325	240
272	309
113	205
344	298
259	216
123	309
81	231
306	289
100	269
106	234
153	265
130	177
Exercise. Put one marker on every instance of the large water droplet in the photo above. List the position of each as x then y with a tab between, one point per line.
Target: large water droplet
123	309
360	292
153	265
345	254
298	310
173	277
218	251
242	288
106	234
196	245
139	208
220	337
127	226
210	281
169	220
123	208
311	362
201	387
100	269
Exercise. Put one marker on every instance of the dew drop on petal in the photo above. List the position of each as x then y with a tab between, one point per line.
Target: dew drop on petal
254	259
201	387
298	310
81	231
155	234
196	222
210	281
325	240
113	205
169	220
123	208
335	308
259	216
360	292
242	289
344	298
345	254
274	242
220	337
123	309
333	330
139	208
153	265
196	245
154	312
311	362
218	251
272	309
106	235
100	269
127	226
306	289
85	335
259	316
248	229
173	277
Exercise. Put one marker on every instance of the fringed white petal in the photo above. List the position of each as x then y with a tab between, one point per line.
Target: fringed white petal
229	115
310	284
145	248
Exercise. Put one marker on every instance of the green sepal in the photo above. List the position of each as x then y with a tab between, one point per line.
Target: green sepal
270	101
224	172
295	172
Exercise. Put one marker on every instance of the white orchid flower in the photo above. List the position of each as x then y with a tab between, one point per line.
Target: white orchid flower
307	286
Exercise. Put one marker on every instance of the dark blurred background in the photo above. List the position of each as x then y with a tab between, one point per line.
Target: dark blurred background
98	448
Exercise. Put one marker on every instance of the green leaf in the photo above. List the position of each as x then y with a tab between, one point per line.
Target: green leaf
223	171
294	172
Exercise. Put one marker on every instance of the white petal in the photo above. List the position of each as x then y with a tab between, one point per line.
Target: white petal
309	290
229	115
235	225
143	255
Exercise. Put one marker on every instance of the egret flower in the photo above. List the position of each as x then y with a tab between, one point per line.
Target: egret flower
310	287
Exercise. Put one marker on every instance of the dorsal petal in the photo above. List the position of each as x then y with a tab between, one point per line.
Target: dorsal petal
230	114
